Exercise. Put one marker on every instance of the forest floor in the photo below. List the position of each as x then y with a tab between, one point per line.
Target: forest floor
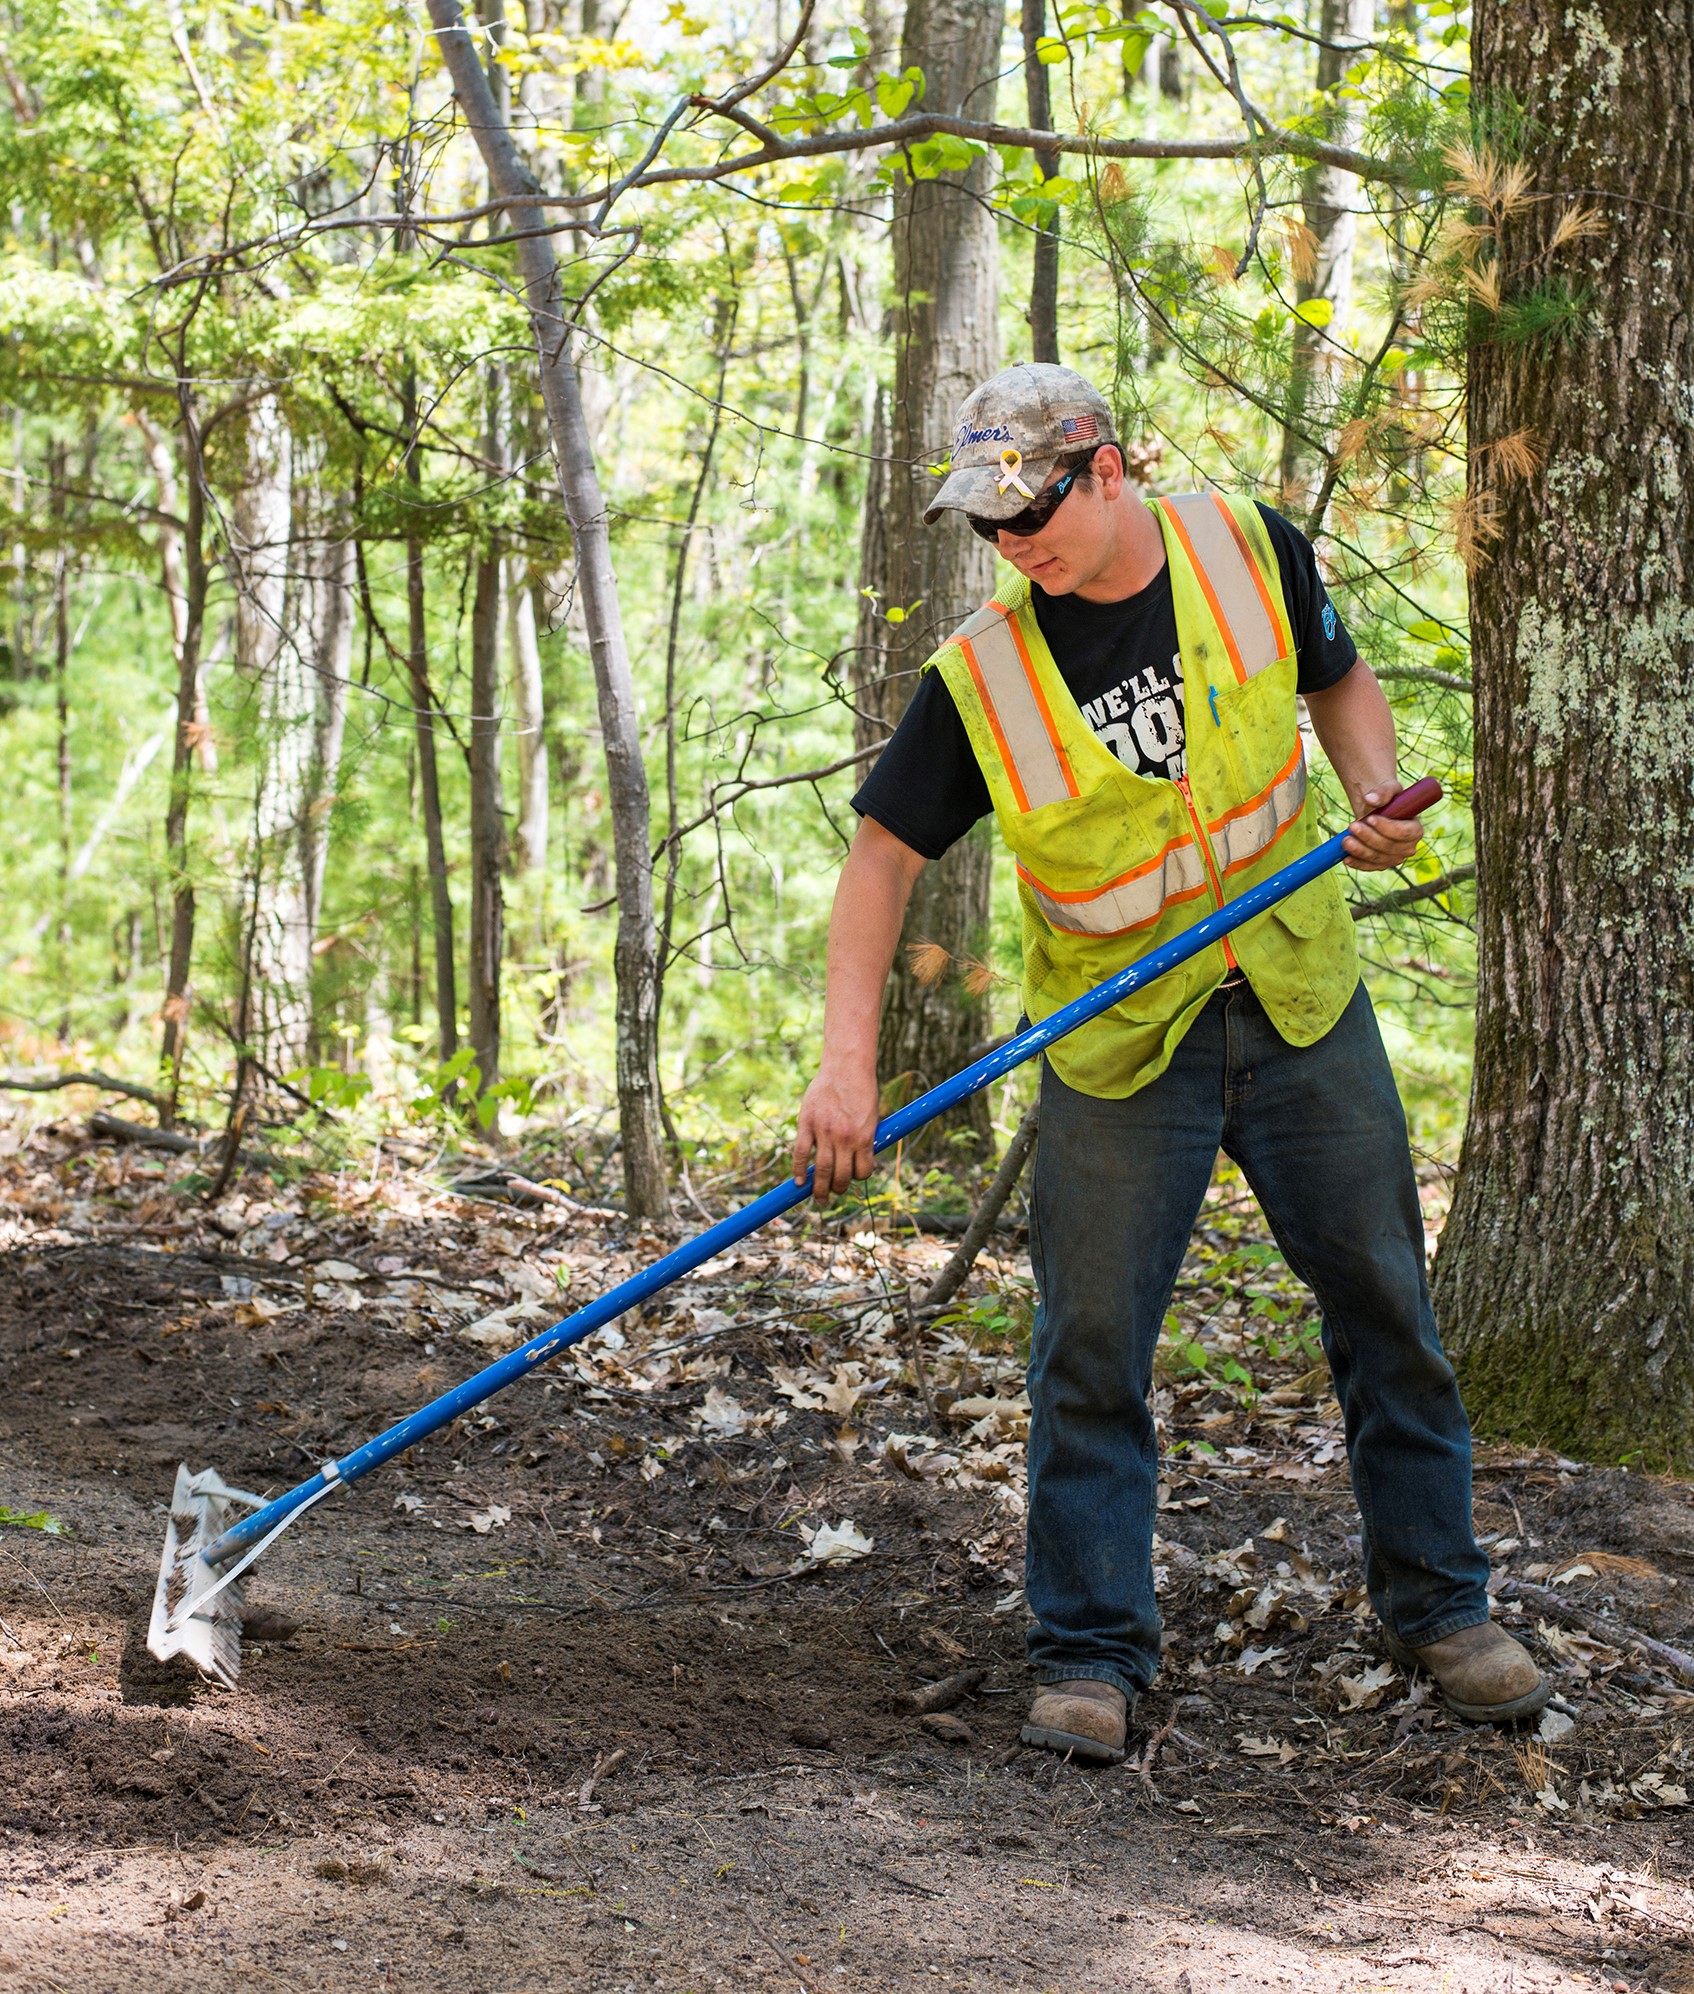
609	1687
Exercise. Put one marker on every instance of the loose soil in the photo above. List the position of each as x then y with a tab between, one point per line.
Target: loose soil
566	1699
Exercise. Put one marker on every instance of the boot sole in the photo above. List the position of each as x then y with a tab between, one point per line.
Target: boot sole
1512	1712
1073	1743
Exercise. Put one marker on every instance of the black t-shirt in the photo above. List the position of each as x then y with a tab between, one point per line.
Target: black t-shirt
1121	663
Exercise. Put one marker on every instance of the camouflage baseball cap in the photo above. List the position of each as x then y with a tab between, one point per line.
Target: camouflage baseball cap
1012	431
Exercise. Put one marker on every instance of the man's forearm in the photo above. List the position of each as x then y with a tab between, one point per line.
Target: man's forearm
864	932
1355	727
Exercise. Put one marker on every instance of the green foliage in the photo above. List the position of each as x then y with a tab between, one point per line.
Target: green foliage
38	1519
168	254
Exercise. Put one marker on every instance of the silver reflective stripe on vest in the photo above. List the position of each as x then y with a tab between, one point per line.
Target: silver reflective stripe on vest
1243	837
1130	902
1037	772
1225	567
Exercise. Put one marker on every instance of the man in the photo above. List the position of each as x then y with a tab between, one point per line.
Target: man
1126	708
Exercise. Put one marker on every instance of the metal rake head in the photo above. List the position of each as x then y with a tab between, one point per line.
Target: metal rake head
203	1507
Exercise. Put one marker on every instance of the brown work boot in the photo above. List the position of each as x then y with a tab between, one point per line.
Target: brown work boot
1087	1719
1483	1674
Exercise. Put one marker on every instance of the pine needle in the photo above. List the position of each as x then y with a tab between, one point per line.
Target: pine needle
1353	440
1574	224
1302	249
927	961
1500	188
1515	456
1476	528
1483	283
1114	185
979	977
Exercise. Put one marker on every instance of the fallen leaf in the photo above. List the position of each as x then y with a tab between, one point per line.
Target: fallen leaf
1255	1658
836	1543
338	1270
495	1517
1365	1691
949	1729
722	1415
1266	1748
1554	1725
506	1328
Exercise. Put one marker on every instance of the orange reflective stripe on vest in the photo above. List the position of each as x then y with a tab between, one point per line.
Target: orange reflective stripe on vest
1131	901
1242	834
1016	709
1248	615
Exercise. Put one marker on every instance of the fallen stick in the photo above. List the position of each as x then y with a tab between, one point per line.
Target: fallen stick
605	1764
944	1694
1613	1632
23	1083
488	1182
115	1129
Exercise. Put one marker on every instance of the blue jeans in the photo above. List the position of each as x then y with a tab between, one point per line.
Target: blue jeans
1320	1136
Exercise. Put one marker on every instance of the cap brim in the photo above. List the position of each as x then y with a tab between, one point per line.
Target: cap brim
977	490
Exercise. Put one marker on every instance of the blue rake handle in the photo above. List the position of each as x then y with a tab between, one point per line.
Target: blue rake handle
783	1197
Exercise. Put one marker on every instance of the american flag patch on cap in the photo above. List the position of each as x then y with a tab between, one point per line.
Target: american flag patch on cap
1079	428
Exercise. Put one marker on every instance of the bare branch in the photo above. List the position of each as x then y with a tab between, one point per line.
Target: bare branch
1409	896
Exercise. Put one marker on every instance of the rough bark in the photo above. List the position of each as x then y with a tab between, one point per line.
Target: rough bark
488	832
1566	1272
1044	250
1329	198
174	1012
529	721
946	342
635	955
301	722
429	778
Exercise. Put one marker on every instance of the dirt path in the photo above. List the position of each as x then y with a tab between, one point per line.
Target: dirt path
618	1568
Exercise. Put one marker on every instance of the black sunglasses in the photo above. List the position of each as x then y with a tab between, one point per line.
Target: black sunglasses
1034	516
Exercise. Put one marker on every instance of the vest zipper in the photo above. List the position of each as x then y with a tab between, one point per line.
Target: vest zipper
1206	858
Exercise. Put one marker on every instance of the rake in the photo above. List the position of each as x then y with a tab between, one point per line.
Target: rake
209	1544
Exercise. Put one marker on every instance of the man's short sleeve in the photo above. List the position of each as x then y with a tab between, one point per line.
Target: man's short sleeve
925	787
1325	651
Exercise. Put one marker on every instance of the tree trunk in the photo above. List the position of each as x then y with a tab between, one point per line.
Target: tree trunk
1566	1273
636	956
194	583
488	830
302	669
429	778
1044	253
529	718
946	342
1323	266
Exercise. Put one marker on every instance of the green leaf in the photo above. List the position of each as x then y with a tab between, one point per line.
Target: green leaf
1049	50
1135	47
1427	632
895	93
1315	311
32	1520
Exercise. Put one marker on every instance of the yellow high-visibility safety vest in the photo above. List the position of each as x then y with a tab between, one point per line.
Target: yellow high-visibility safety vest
1112	864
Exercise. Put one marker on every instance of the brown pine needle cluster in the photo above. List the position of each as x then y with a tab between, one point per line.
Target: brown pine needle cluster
1516	456
928	962
1301	244
1500	186
1574	225
1476	527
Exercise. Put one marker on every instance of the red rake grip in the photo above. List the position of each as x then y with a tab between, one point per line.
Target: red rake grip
1412	802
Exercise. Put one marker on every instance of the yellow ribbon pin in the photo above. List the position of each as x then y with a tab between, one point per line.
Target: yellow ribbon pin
1011	463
